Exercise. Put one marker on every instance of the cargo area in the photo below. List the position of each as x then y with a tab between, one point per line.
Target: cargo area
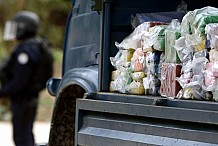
149	94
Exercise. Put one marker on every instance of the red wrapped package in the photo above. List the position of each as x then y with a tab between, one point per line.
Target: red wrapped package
169	86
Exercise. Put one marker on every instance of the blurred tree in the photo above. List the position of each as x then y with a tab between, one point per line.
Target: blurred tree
53	15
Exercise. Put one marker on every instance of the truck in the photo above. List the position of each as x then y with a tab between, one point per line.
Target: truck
86	113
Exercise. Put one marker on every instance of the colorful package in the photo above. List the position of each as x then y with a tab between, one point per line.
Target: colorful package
172	33
138	60
136	88
154	38
169	86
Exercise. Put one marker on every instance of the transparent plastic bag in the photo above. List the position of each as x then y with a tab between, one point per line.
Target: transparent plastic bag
122	82
122	58
136	87
212	35
138	60
155	38
134	39
172	33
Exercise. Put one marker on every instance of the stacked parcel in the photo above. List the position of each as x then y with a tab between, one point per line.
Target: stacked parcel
172	59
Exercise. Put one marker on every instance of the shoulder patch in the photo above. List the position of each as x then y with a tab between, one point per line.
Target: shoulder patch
23	58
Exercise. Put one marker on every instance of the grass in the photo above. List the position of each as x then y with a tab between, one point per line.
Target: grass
45	107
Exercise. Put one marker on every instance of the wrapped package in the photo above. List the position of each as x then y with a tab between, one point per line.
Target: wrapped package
138	76
121	77
195	21
194	93
209	79
215	92
185	94
172	33
215	95
213	55
134	39
112	87
215	68
212	35
138	60
153	62
136	88
169	86
197	41
154	39
184	49
154	85
115	74
161	17
199	62
146	84
203	17
121	83
194	87
150	63
122	58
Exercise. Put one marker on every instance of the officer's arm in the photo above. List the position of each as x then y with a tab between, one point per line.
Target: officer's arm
22	72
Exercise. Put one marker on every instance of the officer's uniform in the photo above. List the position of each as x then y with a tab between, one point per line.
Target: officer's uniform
20	89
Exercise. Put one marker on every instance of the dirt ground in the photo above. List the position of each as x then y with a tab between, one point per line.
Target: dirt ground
41	133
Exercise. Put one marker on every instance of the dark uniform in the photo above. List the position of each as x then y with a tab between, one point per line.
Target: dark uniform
20	88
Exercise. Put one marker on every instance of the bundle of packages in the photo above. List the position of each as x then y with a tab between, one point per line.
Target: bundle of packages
130	62
132	71
121	77
197	50
141	74
154	45
138	67
154	61
211	73
171	68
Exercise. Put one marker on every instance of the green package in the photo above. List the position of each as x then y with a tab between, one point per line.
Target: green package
171	55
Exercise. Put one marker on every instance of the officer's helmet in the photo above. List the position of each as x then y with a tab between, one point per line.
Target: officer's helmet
24	25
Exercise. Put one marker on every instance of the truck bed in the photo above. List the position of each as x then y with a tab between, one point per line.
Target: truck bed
114	119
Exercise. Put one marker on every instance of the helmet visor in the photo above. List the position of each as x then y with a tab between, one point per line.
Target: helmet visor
10	31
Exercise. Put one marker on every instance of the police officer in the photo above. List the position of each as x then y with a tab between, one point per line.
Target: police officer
20	69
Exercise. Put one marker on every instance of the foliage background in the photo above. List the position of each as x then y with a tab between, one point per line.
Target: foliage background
53	15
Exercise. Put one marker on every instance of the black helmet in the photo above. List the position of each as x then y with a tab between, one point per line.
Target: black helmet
27	24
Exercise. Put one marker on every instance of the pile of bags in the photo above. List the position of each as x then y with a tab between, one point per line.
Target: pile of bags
174	58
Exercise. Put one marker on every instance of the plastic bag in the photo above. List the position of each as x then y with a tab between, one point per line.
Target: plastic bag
138	60
122	59
172	33
195	21
199	62
136	88
134	39
155	38
209	80
121	83
212	35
